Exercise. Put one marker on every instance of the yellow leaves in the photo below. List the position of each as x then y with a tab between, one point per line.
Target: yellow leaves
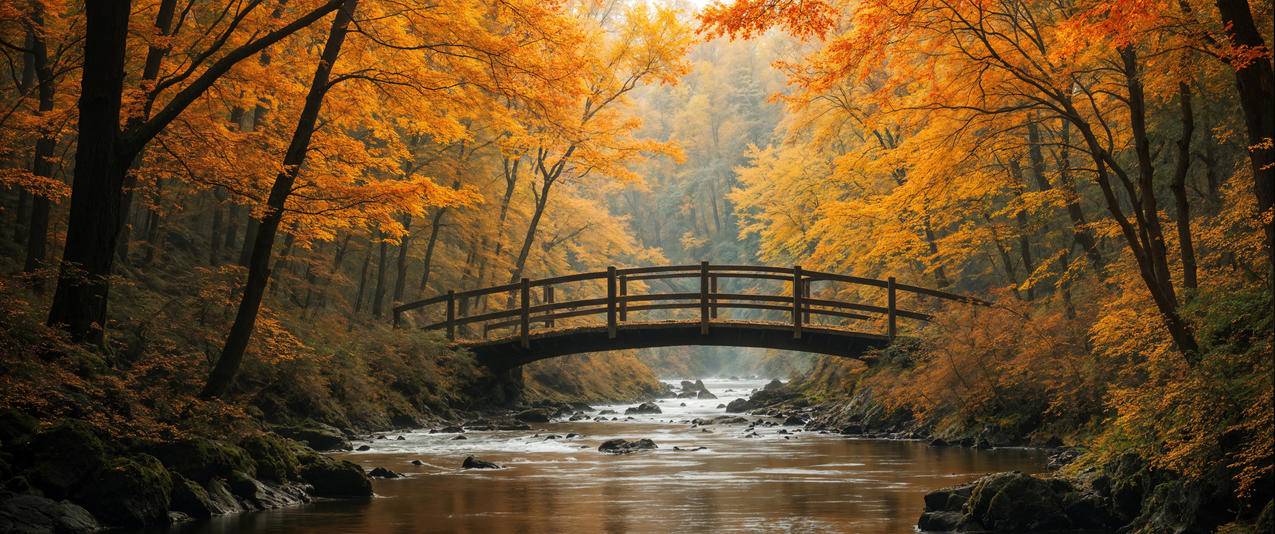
749	18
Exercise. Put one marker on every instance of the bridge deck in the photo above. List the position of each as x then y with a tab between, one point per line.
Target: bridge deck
513	351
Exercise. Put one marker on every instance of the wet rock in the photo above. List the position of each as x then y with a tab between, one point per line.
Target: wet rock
623	446
447	430
474	463
534	415
793	420
983	444
644	408
220	499
1062	458
773	385
689	449
381	472
364	448
940	521
572	435
720	406
32	514
417	462
939	442
335	478
459	437
1014	502
260	496
318	436
720	420
189	498
607	412
130	491
682	404
400	438
738	406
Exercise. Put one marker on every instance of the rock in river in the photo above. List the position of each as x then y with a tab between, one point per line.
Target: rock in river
381	472
624	446
646	407
474	463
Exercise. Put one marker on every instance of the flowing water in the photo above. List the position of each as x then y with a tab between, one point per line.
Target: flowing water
796	482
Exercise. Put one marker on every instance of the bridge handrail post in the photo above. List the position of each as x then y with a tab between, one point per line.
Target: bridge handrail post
611	326
549	300
525	317
703	298
451	314
891	309
712	288
624	292
805	297
796	301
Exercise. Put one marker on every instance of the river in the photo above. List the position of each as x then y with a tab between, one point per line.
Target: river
796	482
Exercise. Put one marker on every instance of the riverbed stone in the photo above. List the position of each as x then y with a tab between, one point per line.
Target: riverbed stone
23	514
534	415
59	460
1015	502
273	456
201	459
623	446
335	478
474	463
318	436
644	408
189	498
381	472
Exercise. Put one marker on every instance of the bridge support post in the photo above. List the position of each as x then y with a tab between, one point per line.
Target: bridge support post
624	304
891	328
549	300
611	327
703	298
712	288
451	314
524	320
796	301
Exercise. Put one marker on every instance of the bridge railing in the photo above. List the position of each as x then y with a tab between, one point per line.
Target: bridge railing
618	303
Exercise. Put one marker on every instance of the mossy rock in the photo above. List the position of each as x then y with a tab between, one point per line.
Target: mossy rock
60	459
318	436
189	498
16	425
336	478
131	491
273	456
201	459
1014	502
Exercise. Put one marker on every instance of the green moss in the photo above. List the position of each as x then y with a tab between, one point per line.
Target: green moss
273	456
58	460
130	491
201	459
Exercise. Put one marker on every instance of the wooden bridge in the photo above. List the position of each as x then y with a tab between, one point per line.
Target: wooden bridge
534	332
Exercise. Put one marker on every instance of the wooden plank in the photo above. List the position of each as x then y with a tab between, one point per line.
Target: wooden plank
796	302
712	288
611	327
891	327
524	322
703	298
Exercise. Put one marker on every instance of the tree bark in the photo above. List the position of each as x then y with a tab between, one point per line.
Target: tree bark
1080	231
42	164
378	293
223	374
1255	84
434	225
358	295
1179	188
400	281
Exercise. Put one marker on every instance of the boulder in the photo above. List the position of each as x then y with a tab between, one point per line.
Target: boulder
220	499
16	425
448	430
130	491
34	514
59	460
273	456
773	385
623	446
644	408
201	459
738	406
1062	458
939	521
363	448
318	436
793	420
474	463
534	415
1015	502
381	472
705	394
720	420
189	498
260	496
335	478
459	437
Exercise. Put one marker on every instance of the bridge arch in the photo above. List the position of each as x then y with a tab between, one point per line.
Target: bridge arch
533	328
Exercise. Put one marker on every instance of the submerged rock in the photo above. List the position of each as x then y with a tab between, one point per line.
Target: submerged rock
535	415
623	446
474	463
644	408
335	478
381	472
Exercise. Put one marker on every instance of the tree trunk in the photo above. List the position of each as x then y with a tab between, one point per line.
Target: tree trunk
215	238
42	164
400	281
1080	231
223	374
79	302
378	294
1157	251
358	295
434	226
1255	84
1024	240
542	200
1179	188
